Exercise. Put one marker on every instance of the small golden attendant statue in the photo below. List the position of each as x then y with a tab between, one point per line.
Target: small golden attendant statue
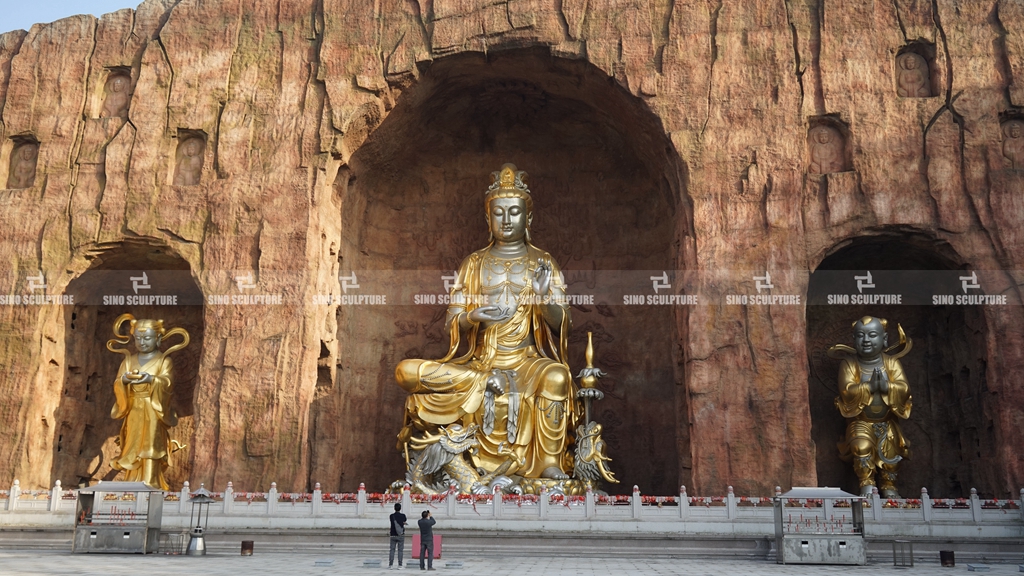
873	396
142	397
501	413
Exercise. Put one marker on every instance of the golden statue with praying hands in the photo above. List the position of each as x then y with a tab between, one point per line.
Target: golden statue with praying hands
499	415
873	396
142	398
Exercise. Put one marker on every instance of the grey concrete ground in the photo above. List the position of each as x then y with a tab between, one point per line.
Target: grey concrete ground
64	563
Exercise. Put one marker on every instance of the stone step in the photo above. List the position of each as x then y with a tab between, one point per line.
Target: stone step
464	544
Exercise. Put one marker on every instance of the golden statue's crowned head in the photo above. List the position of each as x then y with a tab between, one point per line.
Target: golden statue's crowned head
869	319
143	324
508	183
508	187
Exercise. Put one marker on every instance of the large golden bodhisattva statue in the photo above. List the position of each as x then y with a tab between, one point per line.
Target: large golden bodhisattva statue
501	413
142	398
873	396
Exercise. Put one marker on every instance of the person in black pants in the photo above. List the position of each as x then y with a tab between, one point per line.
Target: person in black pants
398	522
427	540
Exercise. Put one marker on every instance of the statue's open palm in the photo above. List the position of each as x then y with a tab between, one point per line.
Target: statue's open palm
542	278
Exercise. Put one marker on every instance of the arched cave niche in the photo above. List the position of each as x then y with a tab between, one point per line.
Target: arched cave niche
609	194
86	437
950	428
916	72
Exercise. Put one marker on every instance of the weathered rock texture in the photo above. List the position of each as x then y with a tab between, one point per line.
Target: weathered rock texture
335	135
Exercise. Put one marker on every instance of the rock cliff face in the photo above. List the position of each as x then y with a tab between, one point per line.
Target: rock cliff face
300	140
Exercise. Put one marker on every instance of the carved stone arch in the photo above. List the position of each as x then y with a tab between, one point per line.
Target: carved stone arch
609	193
950	425
83	444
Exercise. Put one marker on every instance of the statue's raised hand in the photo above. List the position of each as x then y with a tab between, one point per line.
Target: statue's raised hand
881	382
489	314
542	278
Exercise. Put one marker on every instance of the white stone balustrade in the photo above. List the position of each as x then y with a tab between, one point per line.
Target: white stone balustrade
970	517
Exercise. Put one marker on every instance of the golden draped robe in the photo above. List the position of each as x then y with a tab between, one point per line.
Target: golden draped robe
531	418
147	413
872	426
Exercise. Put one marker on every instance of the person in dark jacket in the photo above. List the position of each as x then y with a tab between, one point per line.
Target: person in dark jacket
398	522
427	540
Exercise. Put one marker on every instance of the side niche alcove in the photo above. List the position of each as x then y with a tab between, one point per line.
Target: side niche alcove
86	437
950	428
609	194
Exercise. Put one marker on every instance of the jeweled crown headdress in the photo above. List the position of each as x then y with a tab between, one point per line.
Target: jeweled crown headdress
509	183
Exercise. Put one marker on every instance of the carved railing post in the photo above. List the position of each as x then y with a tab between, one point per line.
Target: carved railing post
542	502
876	505
975	505
634	502
318	500
229	498
1020	504
56	494
272	499
451	499
590	504
12	499
183	498
926	505
730	503
684	503
361	500
407	499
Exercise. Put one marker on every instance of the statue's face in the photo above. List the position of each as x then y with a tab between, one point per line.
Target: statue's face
1015	130
508	219
146	340
117	84
869	339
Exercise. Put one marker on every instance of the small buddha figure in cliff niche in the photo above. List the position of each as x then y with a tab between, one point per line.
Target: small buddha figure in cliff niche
912	77
1013	143
142	398
115	101
827	150
873	396
189	166
23	165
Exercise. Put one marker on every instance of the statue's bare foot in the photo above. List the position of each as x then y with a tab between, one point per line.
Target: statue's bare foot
554	473
890	493
866	490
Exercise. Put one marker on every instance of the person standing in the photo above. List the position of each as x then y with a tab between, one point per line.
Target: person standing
398	521
427	540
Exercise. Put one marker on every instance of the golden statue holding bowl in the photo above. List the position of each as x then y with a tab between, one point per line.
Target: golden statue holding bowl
142	398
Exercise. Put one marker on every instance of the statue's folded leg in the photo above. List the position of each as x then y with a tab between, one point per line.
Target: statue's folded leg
440	392
861	443
550	422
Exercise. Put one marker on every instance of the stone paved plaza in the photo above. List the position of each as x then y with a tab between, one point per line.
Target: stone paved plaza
64	563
